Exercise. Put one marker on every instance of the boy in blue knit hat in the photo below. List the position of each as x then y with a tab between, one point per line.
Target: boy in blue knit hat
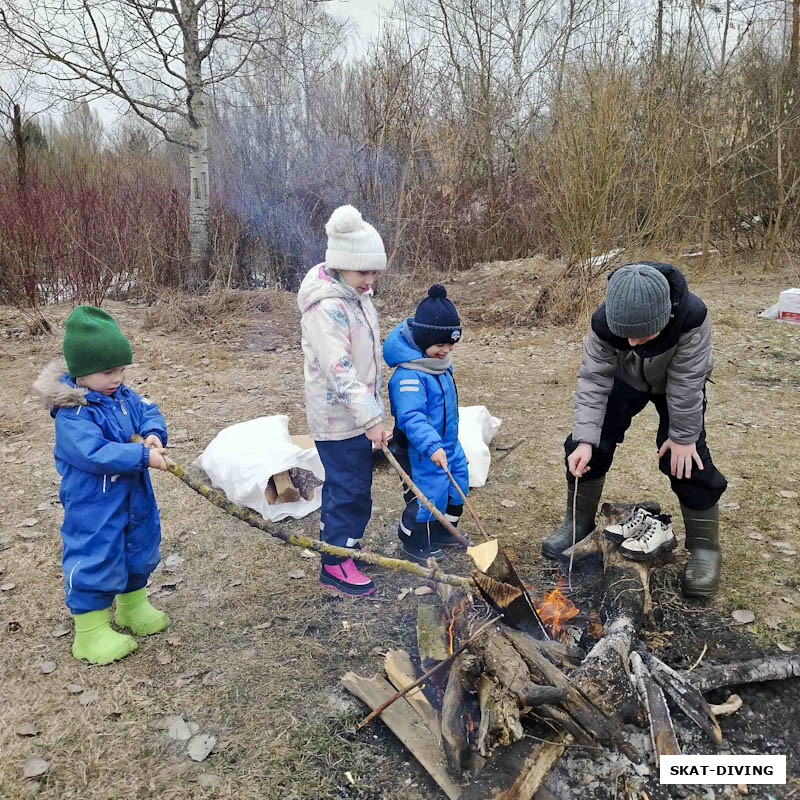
111	531
650	342
424	403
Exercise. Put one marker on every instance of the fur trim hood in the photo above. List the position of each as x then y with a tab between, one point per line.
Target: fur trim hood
55	388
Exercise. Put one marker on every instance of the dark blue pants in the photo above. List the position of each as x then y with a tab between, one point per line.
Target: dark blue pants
699	492
346	493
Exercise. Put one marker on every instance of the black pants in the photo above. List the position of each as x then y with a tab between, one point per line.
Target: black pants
699	492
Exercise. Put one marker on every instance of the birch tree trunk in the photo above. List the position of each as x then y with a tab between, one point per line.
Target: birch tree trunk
714	135
199	203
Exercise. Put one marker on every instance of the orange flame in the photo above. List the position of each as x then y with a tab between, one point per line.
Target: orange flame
462	606
557	609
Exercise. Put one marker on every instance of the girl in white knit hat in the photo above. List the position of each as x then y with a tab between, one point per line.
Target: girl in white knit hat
342	349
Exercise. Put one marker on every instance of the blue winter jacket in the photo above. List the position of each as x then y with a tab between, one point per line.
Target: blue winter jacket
111	527
425	408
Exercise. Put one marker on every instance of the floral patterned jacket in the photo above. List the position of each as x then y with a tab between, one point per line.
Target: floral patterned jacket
342	349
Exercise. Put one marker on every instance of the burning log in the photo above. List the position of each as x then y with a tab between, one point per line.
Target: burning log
556	609
502	660
560	653
604	673
455	723
432	640
500	722
599	694
580	708
518	609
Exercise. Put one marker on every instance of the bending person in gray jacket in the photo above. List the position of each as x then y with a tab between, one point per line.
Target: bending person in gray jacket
649	342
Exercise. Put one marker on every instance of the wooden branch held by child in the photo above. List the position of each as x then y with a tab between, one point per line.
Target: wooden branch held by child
404	476
252	518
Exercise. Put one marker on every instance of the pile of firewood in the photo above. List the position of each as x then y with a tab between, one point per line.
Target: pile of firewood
510	679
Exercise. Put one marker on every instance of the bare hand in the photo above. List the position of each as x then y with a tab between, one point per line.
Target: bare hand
579	458
439	458
377	435
156	458
153	441
681	457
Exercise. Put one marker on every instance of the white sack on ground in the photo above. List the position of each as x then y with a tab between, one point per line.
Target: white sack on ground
242	458
476	429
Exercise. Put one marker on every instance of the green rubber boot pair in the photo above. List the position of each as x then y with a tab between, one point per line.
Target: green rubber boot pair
96	641
701	576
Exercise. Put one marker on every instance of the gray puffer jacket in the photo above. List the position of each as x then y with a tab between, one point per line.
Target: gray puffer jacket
677	363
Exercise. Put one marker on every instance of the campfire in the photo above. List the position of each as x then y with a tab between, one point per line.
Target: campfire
556	609
506	690
511	689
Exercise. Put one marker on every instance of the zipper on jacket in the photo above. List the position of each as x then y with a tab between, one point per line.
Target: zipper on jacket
444	406
375	344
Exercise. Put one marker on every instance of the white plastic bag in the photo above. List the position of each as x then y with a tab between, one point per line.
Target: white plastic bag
476	429
242	458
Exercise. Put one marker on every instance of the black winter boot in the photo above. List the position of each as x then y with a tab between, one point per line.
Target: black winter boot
701	575
419	547
589	493
440	536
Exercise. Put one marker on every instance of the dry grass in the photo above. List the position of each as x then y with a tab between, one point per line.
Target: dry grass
254	656
177	311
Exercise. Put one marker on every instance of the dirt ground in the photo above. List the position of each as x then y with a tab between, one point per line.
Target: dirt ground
253	656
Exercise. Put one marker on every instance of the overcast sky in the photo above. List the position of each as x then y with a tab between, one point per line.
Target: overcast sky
365	13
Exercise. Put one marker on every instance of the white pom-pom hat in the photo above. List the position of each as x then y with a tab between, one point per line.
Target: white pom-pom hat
353	244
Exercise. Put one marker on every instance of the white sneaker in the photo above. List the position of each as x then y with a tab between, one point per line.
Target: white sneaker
655	539
632	524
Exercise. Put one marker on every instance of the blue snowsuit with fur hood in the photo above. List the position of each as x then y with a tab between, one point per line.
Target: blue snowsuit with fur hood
424	403
111	531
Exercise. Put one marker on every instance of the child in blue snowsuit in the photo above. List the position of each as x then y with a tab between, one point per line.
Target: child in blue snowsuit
111	531
424	403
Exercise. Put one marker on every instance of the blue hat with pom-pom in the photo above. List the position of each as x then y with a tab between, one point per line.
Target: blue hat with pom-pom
436	320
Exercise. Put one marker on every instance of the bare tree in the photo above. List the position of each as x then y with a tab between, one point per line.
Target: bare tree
159	57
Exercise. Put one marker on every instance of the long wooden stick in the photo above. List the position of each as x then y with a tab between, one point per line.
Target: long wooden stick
468	505
254	519
406	478
422	678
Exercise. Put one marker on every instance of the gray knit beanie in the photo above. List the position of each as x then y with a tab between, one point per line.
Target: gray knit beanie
637	301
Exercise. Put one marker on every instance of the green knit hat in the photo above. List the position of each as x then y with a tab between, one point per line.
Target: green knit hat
93	342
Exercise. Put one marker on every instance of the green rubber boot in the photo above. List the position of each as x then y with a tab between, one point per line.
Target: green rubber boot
135	612
701	575
589	493
95	641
